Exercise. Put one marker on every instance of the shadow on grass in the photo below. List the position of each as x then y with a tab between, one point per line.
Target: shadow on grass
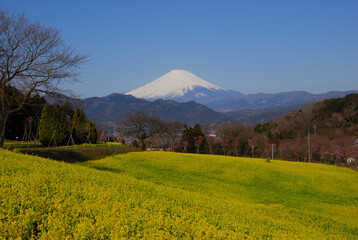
108	169
79	154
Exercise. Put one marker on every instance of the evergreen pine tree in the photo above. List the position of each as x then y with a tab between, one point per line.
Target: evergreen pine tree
191	135
93	135
83	128
51	127
80	126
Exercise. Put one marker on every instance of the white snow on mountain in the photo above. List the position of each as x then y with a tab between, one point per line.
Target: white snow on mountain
174	84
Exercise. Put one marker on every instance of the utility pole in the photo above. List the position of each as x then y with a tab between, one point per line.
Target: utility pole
309	147
272	151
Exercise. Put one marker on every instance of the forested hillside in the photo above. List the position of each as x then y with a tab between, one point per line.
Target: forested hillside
327	129
325	132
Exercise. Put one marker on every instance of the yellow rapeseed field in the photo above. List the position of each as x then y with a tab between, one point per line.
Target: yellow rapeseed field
174	196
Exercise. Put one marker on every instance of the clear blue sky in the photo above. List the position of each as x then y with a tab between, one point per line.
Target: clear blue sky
248	46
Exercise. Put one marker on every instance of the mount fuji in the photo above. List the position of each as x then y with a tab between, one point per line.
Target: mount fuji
182	86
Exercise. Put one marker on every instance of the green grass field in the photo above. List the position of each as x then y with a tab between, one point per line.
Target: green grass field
157	195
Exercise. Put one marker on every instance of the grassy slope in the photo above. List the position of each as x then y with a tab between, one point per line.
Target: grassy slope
164	195
325	191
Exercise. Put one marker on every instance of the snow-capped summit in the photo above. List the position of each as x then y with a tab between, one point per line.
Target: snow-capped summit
178	85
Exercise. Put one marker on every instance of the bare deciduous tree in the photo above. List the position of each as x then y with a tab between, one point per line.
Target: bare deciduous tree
211	143
233	136
185	145
33	59
171	134
198	142
223	143
141	125
236	144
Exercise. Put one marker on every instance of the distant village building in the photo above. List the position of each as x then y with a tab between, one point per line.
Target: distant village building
154	149
212	134
351	161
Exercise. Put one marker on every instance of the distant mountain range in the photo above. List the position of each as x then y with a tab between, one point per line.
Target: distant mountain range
181	96
183	86
113	108
264	101
252	117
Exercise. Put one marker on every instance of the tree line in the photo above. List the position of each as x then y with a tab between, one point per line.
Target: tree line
54	125
61	125
325	132
148	131
34	59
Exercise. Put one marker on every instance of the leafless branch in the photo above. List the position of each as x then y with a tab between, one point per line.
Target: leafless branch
33	58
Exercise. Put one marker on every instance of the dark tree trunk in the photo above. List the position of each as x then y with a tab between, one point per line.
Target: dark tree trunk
143	146
3	128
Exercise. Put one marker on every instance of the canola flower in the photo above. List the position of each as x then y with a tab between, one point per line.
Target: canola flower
45	199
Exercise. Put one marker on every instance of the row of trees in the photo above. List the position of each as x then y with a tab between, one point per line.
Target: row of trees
146	128
324	132
175	136
60	125
33	59
51	124
23	125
